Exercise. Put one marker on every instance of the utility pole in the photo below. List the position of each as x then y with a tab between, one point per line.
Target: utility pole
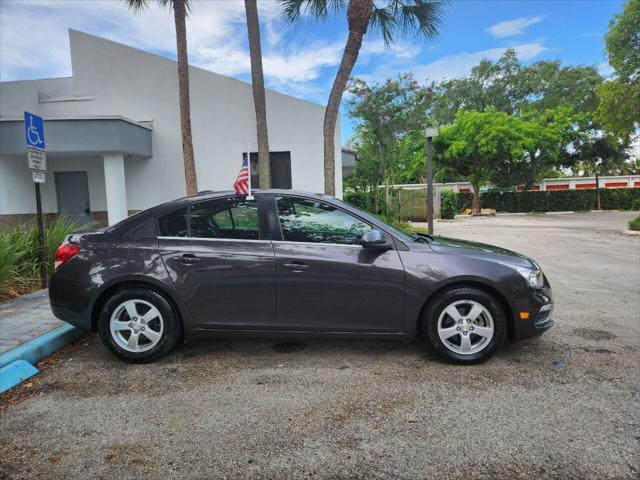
597	191
430	132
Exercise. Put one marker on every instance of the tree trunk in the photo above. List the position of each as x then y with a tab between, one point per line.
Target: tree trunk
358	16
475	202
387	194
180	13
259	101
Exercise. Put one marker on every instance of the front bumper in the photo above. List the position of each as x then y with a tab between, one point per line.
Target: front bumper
538	304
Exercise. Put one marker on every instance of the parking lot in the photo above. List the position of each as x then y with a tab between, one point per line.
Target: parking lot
564	405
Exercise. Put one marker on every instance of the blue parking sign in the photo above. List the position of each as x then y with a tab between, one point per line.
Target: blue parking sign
34	130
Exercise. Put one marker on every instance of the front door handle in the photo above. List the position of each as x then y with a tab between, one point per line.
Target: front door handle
187	259
296	266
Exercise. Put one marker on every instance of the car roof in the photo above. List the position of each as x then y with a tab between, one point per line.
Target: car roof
143	216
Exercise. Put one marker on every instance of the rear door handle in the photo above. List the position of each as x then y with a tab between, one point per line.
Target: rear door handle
296	266
187	259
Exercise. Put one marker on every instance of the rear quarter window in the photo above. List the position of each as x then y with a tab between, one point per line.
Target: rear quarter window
174	224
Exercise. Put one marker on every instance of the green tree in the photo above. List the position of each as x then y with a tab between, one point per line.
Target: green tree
494	145
390	18
623	41
259	100
385	114
539	146
510	87
619	109
180	10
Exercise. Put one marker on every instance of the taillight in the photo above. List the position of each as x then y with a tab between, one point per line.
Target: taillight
64	253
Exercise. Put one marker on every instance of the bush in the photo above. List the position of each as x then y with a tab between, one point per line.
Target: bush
634	224
19	256
560	200
361	200
635	204
448	204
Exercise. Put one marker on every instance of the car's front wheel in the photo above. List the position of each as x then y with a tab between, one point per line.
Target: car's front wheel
138	325
464	325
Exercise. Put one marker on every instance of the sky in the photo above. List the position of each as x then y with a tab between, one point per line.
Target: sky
302	59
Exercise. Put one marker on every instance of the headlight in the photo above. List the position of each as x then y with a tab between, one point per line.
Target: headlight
533	276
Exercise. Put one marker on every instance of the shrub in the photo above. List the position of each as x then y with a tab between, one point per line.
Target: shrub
635	204
19	256
448	204
635	224
559	200
361	200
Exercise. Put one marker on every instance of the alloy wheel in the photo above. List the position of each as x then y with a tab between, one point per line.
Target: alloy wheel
465	327
136	325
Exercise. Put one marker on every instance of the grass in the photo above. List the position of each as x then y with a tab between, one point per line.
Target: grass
19	265
635	224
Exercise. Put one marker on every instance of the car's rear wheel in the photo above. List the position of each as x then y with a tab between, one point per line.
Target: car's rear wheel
464	325
139	325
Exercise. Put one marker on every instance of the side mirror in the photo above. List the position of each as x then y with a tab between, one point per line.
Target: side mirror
374	239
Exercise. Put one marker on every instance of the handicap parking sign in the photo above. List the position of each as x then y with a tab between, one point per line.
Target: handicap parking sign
34	130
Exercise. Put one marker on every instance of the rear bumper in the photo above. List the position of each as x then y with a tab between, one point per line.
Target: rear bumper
71	300
538	304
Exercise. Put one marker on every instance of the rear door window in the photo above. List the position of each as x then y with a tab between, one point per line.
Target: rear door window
233	218
174	224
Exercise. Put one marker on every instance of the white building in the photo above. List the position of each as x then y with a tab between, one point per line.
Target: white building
113	135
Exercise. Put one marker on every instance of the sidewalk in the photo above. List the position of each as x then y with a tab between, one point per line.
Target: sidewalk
24	319
29	333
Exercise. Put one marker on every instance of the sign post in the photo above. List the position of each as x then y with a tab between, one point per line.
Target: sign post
37	163
430	132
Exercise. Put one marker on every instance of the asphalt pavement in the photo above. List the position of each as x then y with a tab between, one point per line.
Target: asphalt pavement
562	406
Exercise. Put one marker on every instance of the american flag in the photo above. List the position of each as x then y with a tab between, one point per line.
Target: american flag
241	185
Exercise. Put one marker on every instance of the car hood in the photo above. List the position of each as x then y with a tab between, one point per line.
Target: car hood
465	248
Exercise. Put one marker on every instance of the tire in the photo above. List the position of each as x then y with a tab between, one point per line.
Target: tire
464	325
154	337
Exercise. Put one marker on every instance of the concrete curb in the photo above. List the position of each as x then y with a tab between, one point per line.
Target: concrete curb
634	233
12	363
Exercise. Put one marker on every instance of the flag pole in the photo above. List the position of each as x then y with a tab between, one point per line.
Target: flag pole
250	196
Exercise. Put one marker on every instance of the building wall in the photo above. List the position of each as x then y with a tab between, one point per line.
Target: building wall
17	192
113	79
143	87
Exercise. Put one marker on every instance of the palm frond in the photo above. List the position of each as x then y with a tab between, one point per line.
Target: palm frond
384	21
136	6
403	17
291	10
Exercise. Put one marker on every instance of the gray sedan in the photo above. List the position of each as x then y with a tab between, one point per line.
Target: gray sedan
291	264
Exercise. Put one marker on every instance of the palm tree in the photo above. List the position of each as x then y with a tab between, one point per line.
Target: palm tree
180	10
394	17
257	81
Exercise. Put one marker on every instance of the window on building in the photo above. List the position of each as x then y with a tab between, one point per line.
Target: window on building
303	220
232	218
280	170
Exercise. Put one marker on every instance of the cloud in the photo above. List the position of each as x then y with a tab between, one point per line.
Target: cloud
302	64
399	51
457	65
510	28
216	37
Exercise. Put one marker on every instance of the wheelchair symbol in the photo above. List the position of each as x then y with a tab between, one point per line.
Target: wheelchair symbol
33	134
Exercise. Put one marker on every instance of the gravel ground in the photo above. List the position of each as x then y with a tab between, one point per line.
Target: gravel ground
364	409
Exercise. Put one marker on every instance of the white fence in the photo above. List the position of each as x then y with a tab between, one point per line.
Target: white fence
569	183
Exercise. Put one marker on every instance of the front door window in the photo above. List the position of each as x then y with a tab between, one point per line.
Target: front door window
311	221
